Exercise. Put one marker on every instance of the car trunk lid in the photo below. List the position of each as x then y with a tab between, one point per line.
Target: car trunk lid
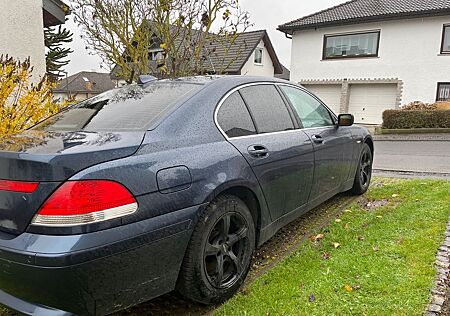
50	158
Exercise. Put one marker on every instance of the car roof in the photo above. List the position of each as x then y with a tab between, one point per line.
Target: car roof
241	79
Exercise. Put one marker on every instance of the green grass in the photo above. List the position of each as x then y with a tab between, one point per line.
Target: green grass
383	266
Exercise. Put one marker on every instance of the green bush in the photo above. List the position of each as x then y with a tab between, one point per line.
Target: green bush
398	119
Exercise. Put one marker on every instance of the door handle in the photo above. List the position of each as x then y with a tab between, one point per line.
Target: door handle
317	139
258	151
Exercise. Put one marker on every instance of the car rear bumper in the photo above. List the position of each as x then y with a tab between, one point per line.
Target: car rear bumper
96	273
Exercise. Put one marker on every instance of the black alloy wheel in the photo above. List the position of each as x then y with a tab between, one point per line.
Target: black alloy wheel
220	251
364	171
225	250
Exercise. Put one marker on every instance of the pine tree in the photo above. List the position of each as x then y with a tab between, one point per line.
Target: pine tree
55	38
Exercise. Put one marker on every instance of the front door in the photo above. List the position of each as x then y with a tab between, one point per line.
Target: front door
332	144
281	156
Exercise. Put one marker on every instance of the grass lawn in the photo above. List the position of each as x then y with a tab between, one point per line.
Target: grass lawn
376	259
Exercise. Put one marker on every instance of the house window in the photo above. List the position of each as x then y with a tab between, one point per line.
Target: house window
443	91
445	47
351	45
156	54
259	56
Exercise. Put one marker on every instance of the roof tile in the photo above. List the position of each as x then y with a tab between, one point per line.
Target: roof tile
356	11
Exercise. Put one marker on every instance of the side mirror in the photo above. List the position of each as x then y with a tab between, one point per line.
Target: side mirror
346	120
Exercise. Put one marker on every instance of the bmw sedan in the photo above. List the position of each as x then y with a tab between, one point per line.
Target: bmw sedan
165	185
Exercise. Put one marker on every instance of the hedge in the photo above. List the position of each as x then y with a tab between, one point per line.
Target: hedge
398	119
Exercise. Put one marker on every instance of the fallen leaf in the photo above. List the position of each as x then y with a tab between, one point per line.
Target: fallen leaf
346	226
348	288
317	237
395	195
379	216
302	285
375	248
337	220
326	255
312	298
347	211
336	245
356	287
360	238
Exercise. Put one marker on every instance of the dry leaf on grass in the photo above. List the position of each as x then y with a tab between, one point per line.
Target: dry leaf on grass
316	238
336	245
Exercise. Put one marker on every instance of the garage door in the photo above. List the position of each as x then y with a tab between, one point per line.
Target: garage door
329	94
369	101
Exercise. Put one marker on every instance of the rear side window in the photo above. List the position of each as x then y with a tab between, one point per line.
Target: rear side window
267	108
127	109
234	119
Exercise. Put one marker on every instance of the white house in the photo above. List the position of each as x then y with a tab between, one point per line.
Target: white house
22	29
366	56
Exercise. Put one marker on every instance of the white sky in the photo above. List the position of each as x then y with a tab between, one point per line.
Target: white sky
265	14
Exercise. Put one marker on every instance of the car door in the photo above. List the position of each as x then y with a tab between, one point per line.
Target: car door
333	148
257	122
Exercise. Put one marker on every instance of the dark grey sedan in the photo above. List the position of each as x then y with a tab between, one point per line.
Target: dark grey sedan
165	185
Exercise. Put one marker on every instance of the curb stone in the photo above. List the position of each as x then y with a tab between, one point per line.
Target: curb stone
440	284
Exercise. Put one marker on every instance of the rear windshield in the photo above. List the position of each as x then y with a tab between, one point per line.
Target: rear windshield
130	108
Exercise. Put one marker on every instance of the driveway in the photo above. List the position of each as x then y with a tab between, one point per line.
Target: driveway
413	155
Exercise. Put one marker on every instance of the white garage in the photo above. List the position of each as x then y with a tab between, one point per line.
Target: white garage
367	102
330	94
365	99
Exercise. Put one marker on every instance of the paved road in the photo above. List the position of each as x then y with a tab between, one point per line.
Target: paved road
413	156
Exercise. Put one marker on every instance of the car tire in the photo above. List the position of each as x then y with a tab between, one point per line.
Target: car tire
364	171
219	253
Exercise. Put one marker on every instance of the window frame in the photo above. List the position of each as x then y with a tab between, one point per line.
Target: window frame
262	56
444	52
437	90
327	36
294	116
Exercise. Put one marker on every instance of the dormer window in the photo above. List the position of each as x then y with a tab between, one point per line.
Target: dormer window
258	56
156	54
445	47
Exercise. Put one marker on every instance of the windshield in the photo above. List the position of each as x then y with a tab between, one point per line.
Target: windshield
130	108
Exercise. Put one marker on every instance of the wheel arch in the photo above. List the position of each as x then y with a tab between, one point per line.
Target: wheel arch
254	201
369	142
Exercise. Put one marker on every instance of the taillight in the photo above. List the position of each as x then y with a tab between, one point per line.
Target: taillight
85	202
18	186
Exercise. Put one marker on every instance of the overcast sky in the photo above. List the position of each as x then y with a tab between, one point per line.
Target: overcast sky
265	14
